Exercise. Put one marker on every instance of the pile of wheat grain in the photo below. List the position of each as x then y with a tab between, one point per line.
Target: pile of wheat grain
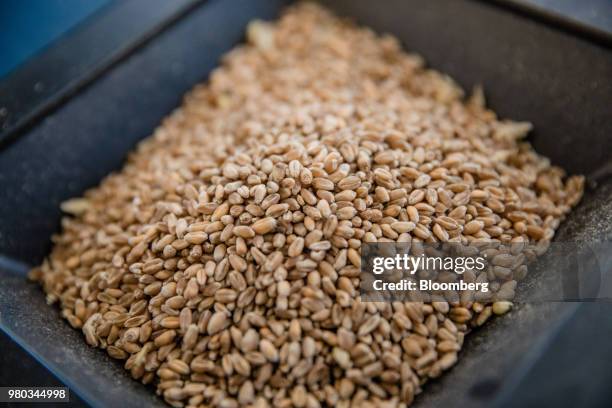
222	262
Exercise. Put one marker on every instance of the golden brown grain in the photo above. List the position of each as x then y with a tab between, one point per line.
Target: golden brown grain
222	263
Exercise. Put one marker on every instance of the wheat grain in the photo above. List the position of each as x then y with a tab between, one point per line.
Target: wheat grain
222	263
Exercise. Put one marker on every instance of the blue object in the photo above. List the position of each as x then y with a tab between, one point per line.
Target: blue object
28	26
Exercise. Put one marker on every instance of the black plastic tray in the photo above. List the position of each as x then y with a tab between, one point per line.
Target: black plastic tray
548	354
